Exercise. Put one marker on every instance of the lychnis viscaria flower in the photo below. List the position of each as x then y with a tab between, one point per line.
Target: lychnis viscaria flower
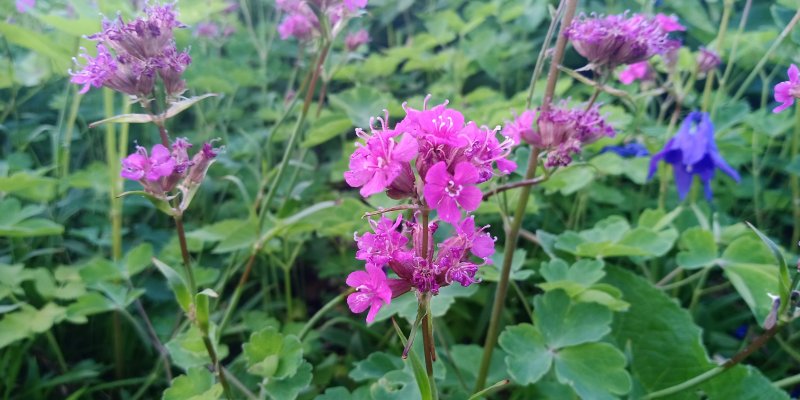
397	244
693	151
561	131
162	169
446	192
353	40
707	60
302	23
609	41
787	91
131	55
640	71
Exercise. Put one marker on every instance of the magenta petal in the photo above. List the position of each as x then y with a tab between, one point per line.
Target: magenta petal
134	166
406	150
376	185
373	310
357	279
794	74
470	198
483	246
359	302
466	173
448	210
438	174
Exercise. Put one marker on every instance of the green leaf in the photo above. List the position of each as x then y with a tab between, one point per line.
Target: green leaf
748	264
361	103
16	221
584	272
325	129
174	109
491	272
40	43
197	384
201	308
29	186
187	349
783	276
288	388
138	258
594	370
29	321
564	323
570	179
176	283
656	331
375	366
124	119
270	354
395	385
699	249
528	356
406	306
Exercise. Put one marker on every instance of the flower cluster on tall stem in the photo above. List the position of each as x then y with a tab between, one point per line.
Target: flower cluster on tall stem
435	159
132	56
302	23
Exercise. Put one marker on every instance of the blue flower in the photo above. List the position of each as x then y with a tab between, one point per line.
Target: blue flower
627	150
693	152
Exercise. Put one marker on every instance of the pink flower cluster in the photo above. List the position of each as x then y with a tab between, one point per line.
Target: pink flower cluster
300	21
143	49
435	159
398	245
449	155
560	131
787	91
609	41
160	170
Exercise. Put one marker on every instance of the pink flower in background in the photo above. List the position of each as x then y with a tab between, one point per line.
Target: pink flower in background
447	192
353	40
669	23
786	92
207	30
707	60
638	71
372	291
24	6
298	25
354	5
521	128
152	167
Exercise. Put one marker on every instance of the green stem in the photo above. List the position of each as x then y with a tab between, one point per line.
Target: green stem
295	133
322	311
217	367
537	70
51	340
237	293
786	31
287	282
489	390
69	127
428	346
720	40
739	357
790	381
187	261
794	182
729	67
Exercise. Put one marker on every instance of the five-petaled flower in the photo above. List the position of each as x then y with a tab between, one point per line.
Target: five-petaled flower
372	291
445	192
691	152
786	92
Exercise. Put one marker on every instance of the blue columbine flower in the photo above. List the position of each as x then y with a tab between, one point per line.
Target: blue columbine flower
627	150
693	152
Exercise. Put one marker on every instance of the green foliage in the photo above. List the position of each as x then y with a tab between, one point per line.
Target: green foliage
197	384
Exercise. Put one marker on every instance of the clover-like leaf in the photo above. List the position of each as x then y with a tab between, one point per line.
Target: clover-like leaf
270	354
594	370
197	384
375	366
395	385
585	272
699	248
564	323
528	357
289	387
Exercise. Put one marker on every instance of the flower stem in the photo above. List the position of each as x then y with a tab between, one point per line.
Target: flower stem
739	357
187	262
69	127
514	185
513	232
427	344
794	182
217	367
537	70
315	72
322	311
786	31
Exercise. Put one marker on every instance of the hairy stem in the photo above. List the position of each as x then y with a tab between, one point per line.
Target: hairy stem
794	182
187	261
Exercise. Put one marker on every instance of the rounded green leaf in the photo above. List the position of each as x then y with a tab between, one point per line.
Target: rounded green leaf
699	248
564	323
594	370
197	384
270	354
528	357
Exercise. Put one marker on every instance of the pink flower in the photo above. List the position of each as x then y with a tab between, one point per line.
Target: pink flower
24	6
484	150
372	291
521	127
354	5
154	167
787	91
298	25
637	71
353	40
446	193
377	248
707	60
481	244
669	23
380	160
